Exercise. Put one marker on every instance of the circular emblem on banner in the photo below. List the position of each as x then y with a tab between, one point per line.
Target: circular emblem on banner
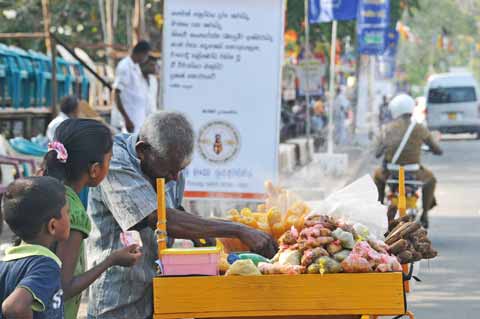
218	142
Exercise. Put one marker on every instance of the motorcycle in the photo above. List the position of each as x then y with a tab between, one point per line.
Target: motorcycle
413	188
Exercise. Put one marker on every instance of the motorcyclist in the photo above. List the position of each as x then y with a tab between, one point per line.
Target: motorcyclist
389	140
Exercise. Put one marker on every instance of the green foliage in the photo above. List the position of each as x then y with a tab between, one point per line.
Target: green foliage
77	22
398	7
422	57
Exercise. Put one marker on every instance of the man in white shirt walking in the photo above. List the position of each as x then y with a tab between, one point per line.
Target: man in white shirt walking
131	95
151	80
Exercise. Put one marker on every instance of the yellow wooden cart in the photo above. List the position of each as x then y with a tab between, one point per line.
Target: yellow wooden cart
327	296
338	296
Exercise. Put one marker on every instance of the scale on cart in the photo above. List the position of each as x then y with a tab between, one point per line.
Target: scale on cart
340	296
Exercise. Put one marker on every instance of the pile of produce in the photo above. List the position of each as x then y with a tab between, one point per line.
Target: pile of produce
323	245
315	243
409	241
326	245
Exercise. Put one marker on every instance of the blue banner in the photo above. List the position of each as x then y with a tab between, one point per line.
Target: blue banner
391	42
328	10
372	24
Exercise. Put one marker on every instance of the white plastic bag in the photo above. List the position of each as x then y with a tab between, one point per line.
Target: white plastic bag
357	202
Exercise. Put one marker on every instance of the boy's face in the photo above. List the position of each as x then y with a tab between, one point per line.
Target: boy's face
60	228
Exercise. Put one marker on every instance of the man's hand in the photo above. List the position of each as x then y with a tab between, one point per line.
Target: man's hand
259	242
185	225
118	101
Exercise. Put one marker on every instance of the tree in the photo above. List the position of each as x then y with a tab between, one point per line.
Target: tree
445	36
78	22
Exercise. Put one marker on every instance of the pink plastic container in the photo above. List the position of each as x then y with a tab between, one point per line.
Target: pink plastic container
190	261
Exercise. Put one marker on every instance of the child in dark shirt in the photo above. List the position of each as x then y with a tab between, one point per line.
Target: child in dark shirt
30	287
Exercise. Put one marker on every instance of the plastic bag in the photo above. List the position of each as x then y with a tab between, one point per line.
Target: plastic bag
315	242
356	264
289	237
243	268
362	249
311	255
341	256
361	230
334	247
391	261
313	269
277	269
345	238
241	256
329	265
378	245
356	202
290	257
283	200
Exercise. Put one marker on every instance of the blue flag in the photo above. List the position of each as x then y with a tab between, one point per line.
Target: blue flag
328	10
372	26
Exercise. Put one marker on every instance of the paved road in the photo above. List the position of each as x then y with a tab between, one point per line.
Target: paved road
450	286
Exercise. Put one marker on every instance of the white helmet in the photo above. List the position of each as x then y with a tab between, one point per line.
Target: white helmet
401	104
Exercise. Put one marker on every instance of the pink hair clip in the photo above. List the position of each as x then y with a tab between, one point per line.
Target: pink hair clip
58	147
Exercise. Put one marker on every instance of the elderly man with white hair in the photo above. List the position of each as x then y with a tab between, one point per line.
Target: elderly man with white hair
127	200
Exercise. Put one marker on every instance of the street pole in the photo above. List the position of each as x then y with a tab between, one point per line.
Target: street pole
55	108
332	86
307	75
371	71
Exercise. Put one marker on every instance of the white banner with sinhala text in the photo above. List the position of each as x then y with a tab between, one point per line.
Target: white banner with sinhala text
222	68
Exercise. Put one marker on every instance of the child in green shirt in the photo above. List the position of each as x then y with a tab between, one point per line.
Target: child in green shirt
80	157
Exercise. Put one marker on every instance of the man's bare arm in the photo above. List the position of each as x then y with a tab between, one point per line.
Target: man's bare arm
189	226
121	109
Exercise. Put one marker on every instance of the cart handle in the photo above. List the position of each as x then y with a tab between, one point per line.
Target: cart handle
161	231
407	277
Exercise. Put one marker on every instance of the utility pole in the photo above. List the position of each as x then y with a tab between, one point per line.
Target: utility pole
307	76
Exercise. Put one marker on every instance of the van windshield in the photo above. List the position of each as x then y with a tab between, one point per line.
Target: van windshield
452	95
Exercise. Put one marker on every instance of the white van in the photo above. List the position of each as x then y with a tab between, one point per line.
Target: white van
453	103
